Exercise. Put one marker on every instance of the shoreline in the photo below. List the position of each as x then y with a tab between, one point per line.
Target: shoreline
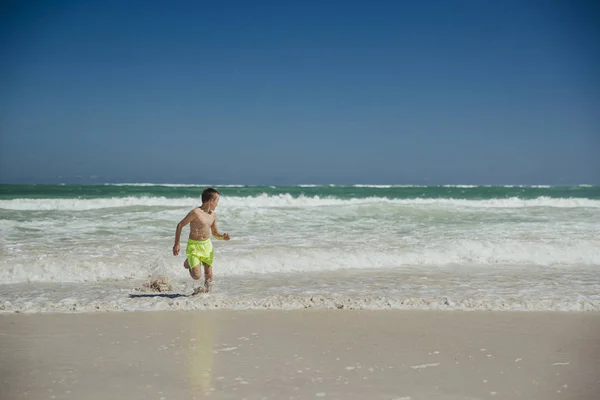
297	354
465	288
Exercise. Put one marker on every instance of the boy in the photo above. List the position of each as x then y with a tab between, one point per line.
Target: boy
199	248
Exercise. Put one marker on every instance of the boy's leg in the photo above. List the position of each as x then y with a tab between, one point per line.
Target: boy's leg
207	277
195	273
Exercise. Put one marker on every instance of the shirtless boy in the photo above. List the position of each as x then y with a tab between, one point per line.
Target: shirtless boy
199	250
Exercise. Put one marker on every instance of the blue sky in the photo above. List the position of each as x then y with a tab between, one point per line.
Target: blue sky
276	92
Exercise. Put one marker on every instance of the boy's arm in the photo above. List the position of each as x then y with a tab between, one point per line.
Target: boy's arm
215	231
188	218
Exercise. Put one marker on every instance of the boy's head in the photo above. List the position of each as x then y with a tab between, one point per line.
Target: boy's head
211	196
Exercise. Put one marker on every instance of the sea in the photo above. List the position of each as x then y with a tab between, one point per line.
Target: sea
96	248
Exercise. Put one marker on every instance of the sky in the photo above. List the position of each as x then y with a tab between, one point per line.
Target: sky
292	92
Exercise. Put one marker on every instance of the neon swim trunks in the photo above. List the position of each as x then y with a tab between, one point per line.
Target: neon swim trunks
199	251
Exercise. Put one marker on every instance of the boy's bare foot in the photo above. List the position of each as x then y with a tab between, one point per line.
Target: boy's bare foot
199	290
205	289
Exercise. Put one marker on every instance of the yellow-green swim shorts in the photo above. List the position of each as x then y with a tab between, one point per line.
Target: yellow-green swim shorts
199	251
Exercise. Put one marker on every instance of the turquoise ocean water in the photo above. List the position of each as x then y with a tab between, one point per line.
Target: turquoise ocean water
468	192
75	248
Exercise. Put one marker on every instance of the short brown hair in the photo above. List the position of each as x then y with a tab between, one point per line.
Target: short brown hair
208	194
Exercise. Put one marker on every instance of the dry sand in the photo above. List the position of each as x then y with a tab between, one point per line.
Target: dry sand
329	354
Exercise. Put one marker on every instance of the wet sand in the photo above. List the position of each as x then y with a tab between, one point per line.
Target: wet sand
330	354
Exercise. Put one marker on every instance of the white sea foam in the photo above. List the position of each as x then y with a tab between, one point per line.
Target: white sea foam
172	185
287	200
373	186
294	252
105	262
92	204
432	289
154	184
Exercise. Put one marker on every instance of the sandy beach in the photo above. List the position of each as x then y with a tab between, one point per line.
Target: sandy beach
300	355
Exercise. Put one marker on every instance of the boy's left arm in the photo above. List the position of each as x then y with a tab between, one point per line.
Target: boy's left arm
215	231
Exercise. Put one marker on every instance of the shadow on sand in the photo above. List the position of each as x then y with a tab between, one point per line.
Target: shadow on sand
165	295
